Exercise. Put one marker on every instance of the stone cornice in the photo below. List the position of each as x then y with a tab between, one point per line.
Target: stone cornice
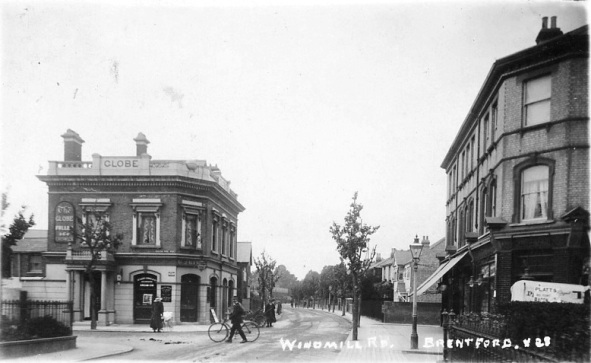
141	181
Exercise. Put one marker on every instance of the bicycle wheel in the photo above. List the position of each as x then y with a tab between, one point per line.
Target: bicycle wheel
218	332
251	330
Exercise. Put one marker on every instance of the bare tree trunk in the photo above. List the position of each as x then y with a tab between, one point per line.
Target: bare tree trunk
355	307
359	310
92	300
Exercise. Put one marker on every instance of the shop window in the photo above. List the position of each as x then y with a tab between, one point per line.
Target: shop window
146	222
537	96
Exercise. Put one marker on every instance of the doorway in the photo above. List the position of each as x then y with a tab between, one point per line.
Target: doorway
190	298
144	292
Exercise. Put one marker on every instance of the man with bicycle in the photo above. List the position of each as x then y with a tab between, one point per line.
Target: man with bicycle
236	319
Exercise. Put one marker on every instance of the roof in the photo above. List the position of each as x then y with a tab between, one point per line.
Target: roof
35	240
571	44
402	257
382	263
244	252
427	255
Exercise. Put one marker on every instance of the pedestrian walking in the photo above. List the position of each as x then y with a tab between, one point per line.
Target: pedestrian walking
278	307
270	314
236	319
157	311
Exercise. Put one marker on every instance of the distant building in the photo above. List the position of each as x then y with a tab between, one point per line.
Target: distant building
27	255
428	263
179	219
244	259
518	176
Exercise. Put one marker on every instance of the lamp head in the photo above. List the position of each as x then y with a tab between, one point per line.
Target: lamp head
416	248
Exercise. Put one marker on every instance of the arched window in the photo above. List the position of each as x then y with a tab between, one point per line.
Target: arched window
533	181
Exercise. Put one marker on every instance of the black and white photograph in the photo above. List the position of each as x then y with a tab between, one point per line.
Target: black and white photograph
317	181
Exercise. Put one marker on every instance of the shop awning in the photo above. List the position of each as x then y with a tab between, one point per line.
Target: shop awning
441	270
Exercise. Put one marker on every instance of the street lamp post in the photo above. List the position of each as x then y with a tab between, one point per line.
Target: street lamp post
415	249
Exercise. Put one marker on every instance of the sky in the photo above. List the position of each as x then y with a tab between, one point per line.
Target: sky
300	104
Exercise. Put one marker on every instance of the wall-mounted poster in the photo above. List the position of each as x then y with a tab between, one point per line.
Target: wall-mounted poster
64	222
147	299
166	293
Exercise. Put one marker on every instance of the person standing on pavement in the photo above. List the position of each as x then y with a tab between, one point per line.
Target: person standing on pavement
236	319
157	311
279	307
270	313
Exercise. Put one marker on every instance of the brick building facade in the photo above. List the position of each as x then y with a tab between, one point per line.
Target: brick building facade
518	176
179	223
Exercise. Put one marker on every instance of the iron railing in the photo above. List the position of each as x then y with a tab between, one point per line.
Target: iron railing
20	311
481	338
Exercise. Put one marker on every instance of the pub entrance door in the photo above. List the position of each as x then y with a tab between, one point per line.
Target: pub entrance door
144	292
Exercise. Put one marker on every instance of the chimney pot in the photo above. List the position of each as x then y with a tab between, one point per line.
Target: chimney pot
545	22
553	22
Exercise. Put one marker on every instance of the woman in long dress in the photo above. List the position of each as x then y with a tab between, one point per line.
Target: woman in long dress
157	310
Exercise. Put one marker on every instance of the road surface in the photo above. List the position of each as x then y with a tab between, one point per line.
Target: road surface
300	334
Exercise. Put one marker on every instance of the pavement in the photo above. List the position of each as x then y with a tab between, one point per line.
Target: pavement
377	341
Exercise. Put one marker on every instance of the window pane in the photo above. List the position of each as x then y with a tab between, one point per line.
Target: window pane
537	89
537	113
148	228
534	192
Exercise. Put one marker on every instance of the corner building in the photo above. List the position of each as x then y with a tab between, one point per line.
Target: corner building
518	176
179	220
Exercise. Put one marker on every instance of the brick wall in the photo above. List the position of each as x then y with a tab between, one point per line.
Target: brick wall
401	313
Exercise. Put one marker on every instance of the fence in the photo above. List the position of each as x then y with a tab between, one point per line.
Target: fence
17	311
482	338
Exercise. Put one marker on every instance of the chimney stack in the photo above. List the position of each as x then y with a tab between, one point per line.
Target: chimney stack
72	146
141	143
546	33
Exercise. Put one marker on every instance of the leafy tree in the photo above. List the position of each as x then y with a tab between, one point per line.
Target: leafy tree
15	232
352	244
95	236
311	285
268	275
343	280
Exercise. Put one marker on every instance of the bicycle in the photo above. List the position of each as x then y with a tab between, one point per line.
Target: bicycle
256	316
218	332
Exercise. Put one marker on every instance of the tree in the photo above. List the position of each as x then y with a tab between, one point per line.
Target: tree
95	236
268	275
15	232
343	280
352	244
311	285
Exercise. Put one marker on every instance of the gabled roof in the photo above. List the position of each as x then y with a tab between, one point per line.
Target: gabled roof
35	240
244	252
402	257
